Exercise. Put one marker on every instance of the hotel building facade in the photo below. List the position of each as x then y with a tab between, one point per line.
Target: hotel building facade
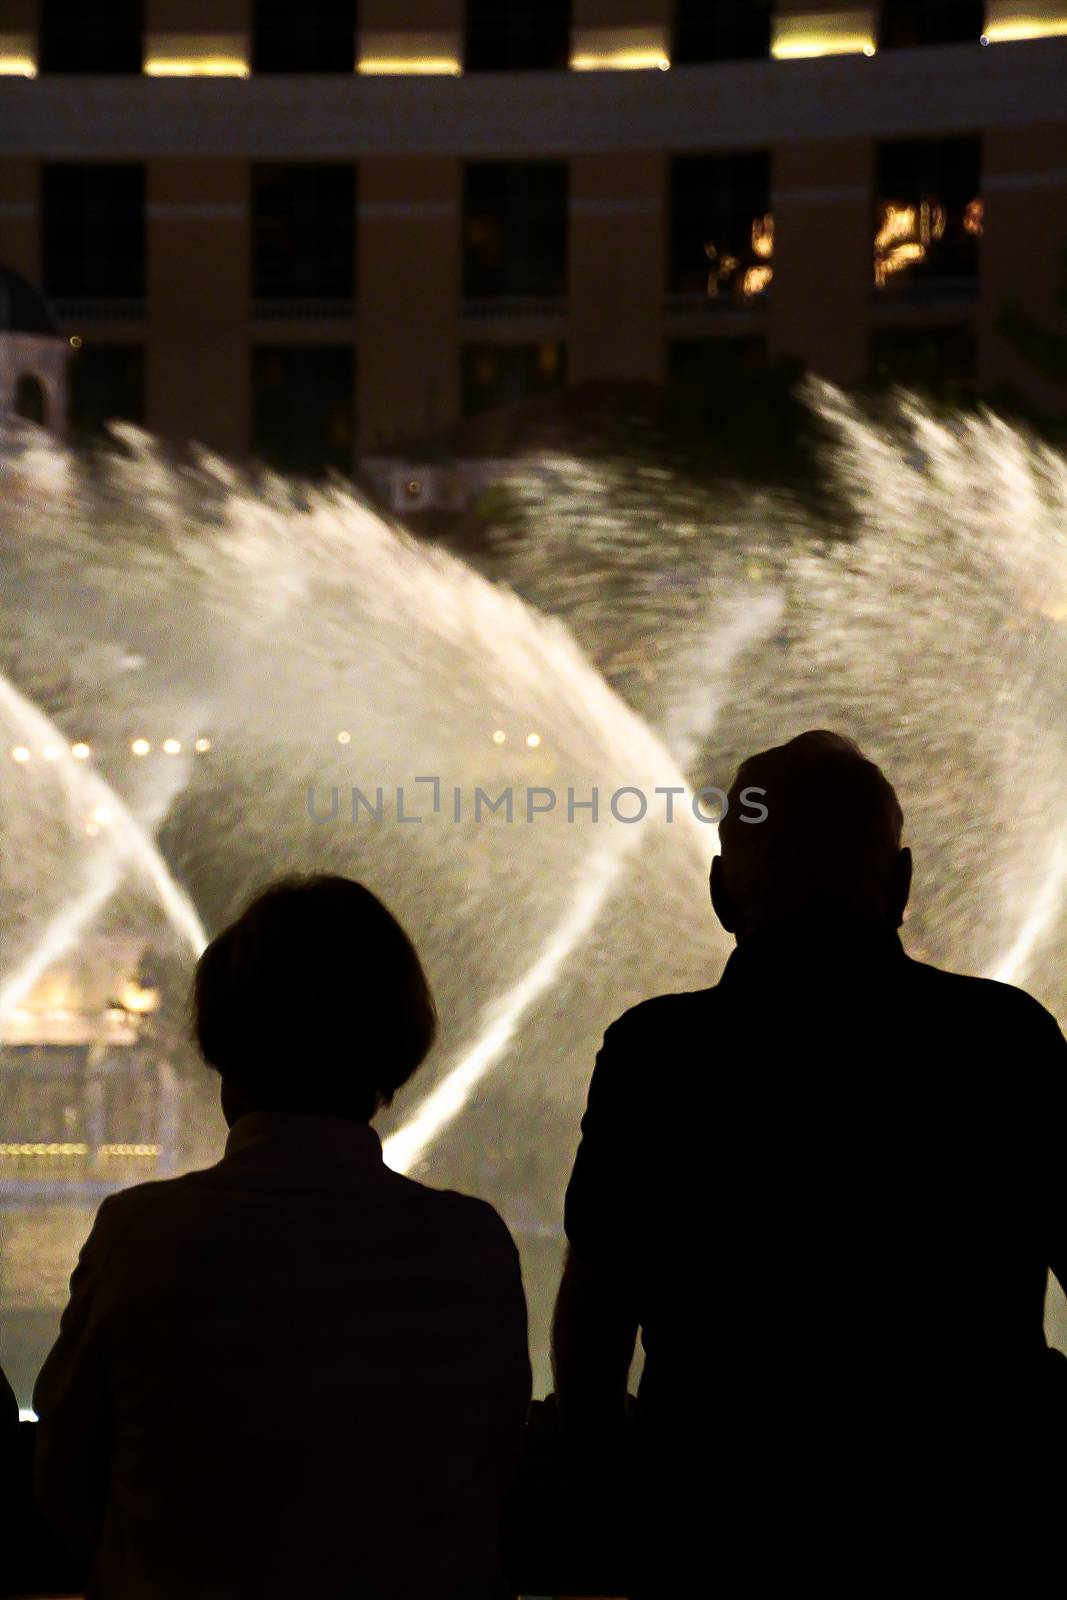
306	231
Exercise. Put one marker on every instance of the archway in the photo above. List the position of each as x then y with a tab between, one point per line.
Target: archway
30	399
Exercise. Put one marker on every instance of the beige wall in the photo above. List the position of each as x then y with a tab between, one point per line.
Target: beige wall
617	243
823	254
18	16
408	241
199	280
1024	248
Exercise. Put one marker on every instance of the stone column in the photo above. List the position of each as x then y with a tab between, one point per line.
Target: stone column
617	246
408	242
823	255
199	284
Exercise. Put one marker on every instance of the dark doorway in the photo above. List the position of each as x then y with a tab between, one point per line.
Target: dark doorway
30	399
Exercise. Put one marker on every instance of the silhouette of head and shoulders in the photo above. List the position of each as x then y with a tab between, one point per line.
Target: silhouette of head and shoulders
840	1101
829	1184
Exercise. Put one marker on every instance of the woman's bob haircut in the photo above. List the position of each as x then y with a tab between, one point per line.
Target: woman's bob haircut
314	1001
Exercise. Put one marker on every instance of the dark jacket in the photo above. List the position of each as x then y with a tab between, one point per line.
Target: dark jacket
293	1373
832	1187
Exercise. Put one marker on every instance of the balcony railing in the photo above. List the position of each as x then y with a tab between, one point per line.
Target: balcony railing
97	309
281	309
926	291
514	307
694	303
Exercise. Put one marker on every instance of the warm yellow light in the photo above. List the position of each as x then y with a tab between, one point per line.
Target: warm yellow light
140	747
17	66
80	752
202	745
20	753
619	61
533	740
757	280
138	1000
898	222
901	256
499	736
763	236
173	747
51	752
804	47
196	67
974	218
129	1149
344	737
44	1149
75	341
904	237
92	829
802	35
1018	22
102	816
414	66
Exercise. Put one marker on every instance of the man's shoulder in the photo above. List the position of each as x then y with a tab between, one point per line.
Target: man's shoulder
664	1013
983	1001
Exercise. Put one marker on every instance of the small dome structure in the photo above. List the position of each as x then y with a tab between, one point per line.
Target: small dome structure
22	310
33	356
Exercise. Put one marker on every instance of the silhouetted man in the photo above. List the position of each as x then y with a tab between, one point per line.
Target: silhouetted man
828	1191
297	1372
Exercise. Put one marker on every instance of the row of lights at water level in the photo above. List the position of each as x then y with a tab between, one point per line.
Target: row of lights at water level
173	747
47	1151
533	740
82	752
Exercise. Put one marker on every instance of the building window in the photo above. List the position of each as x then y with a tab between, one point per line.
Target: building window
303	408
907	23
93	231
304	36
107	384
500	374
515	229
517	35
929	215
937	360
721	30
304	232
30	399
722	230
77	36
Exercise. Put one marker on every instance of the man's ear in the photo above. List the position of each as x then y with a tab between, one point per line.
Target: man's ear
901	885
720	897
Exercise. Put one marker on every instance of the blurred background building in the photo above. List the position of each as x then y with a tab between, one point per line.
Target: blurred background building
311	229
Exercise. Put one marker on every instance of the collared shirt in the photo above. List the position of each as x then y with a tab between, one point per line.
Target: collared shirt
830	1188
295	1372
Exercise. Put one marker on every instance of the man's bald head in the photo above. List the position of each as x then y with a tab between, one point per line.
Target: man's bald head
829	843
